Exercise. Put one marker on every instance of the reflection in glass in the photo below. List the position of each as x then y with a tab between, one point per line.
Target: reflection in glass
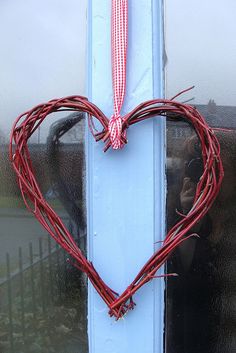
201	302
42	296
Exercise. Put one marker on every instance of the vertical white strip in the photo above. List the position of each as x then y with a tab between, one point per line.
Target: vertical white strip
126	188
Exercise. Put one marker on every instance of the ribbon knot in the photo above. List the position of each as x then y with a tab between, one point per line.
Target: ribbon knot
117	137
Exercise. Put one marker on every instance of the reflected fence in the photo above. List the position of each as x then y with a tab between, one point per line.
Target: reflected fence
34	313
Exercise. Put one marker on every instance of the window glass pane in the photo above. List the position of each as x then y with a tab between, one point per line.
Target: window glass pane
201	301
43	298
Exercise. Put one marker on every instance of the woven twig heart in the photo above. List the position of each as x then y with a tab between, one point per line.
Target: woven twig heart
206	191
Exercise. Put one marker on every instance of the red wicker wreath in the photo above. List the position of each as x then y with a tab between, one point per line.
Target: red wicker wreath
206	191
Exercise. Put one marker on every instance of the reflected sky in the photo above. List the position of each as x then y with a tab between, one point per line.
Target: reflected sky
201	49
43	54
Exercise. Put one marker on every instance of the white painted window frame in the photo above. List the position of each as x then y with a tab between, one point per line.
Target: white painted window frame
126	188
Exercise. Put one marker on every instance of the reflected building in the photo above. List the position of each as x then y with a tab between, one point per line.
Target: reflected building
200	303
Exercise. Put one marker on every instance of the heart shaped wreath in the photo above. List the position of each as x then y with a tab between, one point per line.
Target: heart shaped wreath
113	133
206	191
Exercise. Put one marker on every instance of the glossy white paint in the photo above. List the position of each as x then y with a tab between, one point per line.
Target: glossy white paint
126	189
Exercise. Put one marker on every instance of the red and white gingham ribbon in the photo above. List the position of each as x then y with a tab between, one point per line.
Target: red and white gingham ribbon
119	33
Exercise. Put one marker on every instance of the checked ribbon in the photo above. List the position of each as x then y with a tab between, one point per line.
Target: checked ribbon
119	36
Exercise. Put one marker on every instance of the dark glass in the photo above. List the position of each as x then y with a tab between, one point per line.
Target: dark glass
43	297
201	301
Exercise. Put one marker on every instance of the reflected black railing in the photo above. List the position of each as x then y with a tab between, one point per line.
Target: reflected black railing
31	290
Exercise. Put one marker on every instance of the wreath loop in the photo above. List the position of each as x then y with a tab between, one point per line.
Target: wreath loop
207	188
